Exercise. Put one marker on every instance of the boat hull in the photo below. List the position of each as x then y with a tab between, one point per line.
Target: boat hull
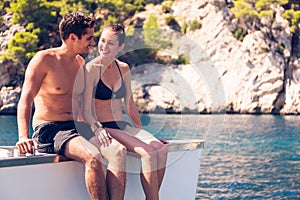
65	180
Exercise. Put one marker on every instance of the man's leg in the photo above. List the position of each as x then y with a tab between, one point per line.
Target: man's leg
83	151
115	154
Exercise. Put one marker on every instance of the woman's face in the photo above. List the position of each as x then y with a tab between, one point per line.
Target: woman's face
108	45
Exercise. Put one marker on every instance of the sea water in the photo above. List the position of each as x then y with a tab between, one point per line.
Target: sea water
245	156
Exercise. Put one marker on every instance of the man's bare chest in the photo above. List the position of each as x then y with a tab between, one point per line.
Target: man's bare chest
63	81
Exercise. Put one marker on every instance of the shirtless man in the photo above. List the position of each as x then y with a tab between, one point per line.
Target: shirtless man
54	82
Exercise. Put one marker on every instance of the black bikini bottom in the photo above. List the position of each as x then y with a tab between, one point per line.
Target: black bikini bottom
115	124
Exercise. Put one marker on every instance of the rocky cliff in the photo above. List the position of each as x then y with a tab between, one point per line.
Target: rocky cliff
224	75
248	76
10	73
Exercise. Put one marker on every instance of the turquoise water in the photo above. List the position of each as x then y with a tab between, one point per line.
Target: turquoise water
245	156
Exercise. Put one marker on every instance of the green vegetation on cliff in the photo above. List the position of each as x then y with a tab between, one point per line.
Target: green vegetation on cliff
41	17
251	13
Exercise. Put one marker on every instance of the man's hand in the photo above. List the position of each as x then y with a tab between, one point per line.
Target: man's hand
26	146
103	137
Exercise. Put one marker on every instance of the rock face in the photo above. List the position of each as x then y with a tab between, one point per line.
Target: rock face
10	73
249	76
9	100
254	75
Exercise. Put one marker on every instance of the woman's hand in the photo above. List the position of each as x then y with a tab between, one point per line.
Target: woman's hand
103	137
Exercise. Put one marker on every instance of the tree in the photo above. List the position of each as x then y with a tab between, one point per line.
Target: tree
67	6
22	47
250	12
42	14
121	9
293	16
153	34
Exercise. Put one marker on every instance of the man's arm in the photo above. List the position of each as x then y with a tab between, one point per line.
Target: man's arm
34	76
78	89
88	104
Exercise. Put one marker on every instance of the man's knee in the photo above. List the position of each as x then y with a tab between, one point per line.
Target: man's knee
94	161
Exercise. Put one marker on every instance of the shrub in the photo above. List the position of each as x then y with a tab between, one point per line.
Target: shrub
293	16
239	34
166	6
280	49
184	27
170	20
195	24
181	60
172	23
151	31
22	46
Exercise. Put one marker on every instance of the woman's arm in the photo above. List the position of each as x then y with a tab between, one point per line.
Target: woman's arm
91	77
130	107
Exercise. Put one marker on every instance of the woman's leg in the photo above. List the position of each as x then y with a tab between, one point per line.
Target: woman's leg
149	158
161	149
115	154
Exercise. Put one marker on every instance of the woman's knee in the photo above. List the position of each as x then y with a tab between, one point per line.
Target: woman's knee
162	156
162	149
116	155
119	149
149	153
115	152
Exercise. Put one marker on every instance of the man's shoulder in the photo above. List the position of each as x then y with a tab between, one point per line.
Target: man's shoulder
48	52
41	59
45	55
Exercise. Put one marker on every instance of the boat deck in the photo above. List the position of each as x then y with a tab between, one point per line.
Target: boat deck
9	156
65	178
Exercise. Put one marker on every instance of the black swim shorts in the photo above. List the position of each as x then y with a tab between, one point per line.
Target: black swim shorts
52	136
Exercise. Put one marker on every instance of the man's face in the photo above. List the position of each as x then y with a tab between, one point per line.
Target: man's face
86	42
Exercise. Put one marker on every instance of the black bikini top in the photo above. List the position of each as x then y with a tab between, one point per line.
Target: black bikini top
103	92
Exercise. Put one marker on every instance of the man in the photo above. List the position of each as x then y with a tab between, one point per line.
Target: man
54	81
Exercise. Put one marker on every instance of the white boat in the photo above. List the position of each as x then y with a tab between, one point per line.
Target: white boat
50	177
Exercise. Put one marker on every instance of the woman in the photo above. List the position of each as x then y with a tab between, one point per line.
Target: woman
108	84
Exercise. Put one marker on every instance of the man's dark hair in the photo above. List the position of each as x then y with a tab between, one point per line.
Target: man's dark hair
119	30
76	23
